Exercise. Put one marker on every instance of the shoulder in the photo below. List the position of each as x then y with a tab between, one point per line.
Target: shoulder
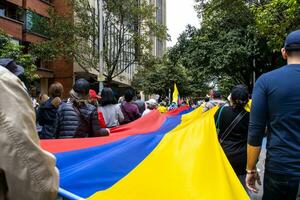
89	108
275	74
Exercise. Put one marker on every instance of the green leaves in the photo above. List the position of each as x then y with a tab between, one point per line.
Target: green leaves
10	49
236	39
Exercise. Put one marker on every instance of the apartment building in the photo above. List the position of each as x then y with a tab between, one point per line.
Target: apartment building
18	18
160	46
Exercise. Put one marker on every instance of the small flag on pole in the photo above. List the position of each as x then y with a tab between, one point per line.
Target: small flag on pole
176	96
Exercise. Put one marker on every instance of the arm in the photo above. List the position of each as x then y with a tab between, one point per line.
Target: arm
96	129
120	114
257	125
29	171
137	113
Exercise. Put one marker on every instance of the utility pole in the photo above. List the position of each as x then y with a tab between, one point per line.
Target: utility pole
100	44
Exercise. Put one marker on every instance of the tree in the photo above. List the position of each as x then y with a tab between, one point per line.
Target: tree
159	75
9	49
275	19
128	25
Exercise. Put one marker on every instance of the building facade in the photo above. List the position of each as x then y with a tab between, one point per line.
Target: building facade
18	18
160	46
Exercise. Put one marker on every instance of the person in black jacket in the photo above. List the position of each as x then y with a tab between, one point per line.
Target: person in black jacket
78	118
233	136
46	114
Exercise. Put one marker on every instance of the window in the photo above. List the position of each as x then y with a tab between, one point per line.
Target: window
34	23
2	10
10	11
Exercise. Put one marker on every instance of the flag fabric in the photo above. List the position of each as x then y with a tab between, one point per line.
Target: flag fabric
176	97
172	156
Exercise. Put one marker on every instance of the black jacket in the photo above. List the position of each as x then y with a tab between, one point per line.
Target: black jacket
235	144
46	117
78	123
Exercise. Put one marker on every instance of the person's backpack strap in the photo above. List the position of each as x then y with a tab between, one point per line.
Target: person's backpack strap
219	119
233	124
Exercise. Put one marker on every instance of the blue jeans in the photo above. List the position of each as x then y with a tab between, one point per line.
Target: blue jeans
280	187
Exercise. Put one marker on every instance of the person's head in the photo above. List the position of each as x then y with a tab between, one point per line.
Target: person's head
42	98
216	94
291	50
206	99
56	89
138	97
129	94
94	97
151	104
107	97
163	103
80	90
11	65
239	96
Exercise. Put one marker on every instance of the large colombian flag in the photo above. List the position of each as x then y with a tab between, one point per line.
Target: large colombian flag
159	157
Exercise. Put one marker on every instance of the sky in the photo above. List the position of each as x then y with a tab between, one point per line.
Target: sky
180	13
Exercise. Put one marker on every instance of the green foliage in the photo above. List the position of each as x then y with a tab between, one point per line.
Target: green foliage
236	38
127	24
69	37
159	75
275	19
9	49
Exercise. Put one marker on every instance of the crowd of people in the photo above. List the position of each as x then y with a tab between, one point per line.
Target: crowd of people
28	172
87	114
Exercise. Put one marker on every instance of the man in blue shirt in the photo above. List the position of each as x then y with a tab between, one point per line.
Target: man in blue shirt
276	105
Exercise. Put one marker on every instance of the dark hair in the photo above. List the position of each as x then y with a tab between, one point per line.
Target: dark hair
138	96
107	97
206	99
129	94
217	94
239	96
56	89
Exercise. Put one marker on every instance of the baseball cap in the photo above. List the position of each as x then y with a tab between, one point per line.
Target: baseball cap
94	95
240	94
80	89
151	102
292	41
11	65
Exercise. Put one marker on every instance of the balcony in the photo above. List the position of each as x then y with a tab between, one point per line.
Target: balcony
39	6
34	31
33	37
16	2
12	27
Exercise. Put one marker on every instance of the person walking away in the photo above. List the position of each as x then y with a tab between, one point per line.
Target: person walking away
216	101
129	109
232	124
276	105
162	107
141	104
26	171
78	118
151	105
109	108
94	100
41	99
46	114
